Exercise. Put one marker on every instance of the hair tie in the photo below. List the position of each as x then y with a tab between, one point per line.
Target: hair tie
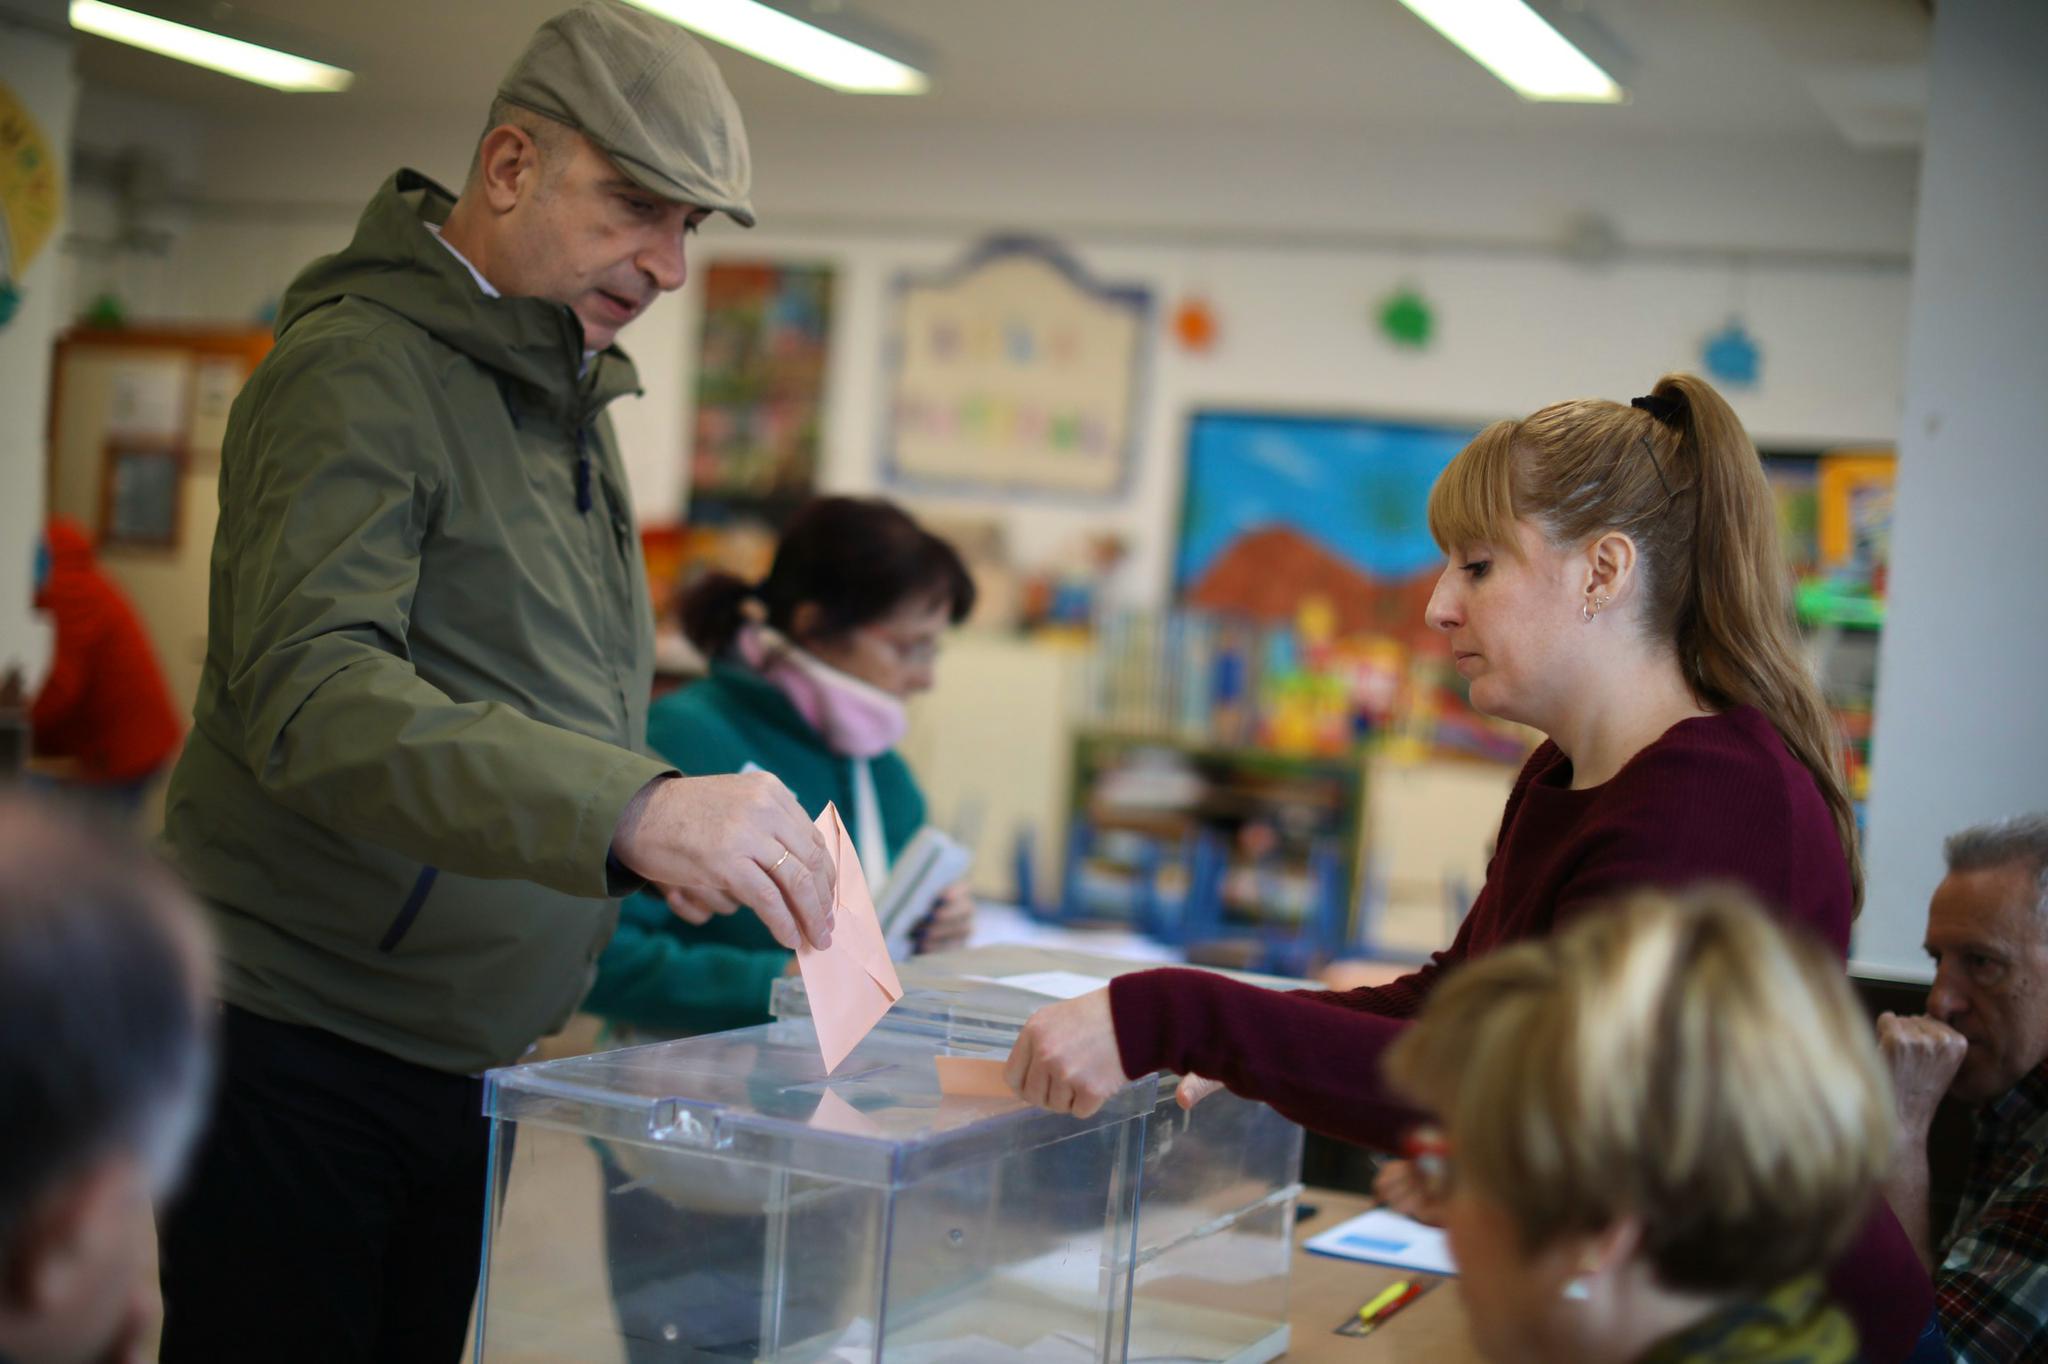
1669	410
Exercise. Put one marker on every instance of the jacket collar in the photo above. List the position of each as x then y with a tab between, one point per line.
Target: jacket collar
533	346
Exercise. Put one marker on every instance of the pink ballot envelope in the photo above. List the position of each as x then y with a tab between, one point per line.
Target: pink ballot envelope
972	1077
852	983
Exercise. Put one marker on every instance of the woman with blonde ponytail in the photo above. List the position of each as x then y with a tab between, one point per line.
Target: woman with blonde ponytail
1614	580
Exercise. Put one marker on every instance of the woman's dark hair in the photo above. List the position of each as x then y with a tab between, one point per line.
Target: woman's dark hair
855	558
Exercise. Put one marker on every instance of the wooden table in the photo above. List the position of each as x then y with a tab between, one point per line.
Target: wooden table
1324	1291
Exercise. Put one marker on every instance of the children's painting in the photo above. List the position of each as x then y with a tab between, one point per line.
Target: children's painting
1326	515
760	386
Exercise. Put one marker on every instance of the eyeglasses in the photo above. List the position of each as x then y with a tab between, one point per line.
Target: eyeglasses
916	653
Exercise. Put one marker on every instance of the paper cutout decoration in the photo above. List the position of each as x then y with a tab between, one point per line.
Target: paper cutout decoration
977	1077
1406	319
1194	326
852	983
1732	355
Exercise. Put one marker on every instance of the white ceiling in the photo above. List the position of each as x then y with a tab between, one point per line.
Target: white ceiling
1770	71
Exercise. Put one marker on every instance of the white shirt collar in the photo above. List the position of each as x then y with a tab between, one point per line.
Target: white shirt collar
490	291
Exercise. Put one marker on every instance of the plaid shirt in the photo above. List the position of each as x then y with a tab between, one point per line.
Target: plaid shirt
1991	1292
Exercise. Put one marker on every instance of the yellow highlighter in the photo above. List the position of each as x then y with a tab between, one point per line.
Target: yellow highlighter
1391	1294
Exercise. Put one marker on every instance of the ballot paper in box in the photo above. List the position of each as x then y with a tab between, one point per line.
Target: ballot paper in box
726	1198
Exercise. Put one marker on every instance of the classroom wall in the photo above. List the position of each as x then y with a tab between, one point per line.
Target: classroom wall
1962	734
35	65
1292	234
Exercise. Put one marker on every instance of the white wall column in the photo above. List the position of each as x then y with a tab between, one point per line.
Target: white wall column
1962	723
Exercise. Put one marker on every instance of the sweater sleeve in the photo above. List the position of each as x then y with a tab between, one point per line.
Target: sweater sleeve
1278	1047
1880	1282
1404	996
653	977
658	973
700	742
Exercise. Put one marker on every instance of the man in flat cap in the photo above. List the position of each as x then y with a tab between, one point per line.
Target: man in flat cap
417	780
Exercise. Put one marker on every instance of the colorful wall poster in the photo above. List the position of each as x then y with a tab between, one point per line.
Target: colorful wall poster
1856	515
761	364
1015	372
1284	512
31	197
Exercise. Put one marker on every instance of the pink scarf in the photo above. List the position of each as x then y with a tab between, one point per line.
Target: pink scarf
856	719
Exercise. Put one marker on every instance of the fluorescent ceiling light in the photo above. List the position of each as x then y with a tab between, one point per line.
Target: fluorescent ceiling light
1518	45
788	42
214	51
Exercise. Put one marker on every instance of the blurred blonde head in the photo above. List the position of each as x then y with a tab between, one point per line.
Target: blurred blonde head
1680	1063
1691	494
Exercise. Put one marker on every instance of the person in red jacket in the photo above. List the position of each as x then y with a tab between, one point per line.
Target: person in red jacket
104	706
1616	581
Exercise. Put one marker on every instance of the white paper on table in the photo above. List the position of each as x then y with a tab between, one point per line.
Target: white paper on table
1051	984
1386	1238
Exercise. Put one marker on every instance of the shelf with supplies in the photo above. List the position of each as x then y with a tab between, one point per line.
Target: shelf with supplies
1197	841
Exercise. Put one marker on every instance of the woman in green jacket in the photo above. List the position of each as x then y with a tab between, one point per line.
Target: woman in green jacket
810	669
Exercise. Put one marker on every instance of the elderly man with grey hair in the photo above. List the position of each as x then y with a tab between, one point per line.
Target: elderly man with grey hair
1983	1042
105	1051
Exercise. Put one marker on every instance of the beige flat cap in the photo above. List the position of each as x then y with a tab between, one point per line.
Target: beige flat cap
647	95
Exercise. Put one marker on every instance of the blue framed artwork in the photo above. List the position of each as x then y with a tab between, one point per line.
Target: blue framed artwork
1280	511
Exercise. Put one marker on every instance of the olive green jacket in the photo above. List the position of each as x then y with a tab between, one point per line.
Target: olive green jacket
428	659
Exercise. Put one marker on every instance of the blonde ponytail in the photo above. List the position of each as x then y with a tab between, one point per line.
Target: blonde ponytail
1735	635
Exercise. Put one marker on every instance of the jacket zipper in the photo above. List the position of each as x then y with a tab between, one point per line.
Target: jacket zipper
410	910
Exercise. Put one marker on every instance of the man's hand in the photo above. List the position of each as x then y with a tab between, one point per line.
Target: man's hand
1066	1057
1193	1089
951	921
1923	1055
712	843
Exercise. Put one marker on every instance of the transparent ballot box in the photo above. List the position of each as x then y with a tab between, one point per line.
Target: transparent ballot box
721	1198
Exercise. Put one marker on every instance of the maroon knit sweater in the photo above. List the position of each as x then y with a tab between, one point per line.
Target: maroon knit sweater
1718	798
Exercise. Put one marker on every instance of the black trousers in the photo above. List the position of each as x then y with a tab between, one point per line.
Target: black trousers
334	1211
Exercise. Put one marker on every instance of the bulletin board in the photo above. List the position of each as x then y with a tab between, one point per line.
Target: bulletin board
1015	372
